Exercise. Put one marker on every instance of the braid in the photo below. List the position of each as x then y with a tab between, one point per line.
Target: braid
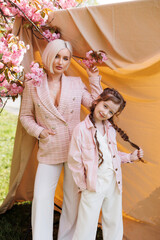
125	137
100	154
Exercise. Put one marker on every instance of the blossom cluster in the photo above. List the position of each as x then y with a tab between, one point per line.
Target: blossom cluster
94	57
51	36
37	74
64	4
36	11
11	72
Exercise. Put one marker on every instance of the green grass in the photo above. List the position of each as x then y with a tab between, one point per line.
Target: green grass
8	124
15	223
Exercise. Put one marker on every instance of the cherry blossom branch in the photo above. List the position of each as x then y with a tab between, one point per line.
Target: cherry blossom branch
78	57
36	35
5	17
15	5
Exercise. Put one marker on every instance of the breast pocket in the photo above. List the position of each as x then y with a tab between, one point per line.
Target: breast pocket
88	152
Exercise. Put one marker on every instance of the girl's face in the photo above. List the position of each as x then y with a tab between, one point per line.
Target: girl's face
105	110
61	61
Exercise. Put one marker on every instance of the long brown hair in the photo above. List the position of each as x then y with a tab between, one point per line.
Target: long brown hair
116	97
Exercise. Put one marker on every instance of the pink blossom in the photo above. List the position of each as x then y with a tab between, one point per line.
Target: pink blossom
2	76
20	89
6	84
67	3
1	65
3	93
104	57
14	85
88	54
6	57
51	36
2	46
14	47
93	57
27	47
36	74
17	69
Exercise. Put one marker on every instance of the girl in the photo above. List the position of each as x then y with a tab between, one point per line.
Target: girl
95	163
49	113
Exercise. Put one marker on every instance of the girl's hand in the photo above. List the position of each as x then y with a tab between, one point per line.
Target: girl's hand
45	133
93	71
137	154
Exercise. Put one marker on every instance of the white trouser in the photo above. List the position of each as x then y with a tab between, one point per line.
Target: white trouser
110	200
43	203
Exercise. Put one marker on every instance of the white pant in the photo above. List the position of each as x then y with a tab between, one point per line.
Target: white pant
110	200
43	203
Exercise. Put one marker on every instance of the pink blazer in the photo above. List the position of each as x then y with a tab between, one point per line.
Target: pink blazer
83	155
38	113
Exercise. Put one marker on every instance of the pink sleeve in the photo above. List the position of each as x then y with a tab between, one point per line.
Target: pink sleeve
125	157
75	161
27	114
96	90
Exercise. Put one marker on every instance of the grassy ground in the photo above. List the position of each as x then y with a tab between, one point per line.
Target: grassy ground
15	223
8	124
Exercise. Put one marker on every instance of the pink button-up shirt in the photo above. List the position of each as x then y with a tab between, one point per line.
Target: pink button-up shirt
83	155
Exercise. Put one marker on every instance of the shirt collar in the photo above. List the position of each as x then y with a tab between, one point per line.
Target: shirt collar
89	124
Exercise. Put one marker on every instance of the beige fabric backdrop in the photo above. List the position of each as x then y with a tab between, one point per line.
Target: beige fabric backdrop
129	33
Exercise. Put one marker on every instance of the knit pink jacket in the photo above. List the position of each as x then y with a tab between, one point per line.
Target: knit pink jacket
83	155
38	113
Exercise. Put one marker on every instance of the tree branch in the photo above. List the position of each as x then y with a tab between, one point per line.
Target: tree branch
3	105
15	5
1	12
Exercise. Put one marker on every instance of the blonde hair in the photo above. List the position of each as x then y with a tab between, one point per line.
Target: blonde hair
51	51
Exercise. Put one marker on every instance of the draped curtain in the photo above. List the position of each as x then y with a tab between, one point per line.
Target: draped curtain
130	35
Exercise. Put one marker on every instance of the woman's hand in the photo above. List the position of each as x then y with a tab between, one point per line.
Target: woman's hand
45	133
137	154
93	71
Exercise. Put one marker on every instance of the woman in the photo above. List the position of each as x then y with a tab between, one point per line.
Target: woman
49	113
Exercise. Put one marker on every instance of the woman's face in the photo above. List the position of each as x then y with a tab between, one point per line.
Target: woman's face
105	110
61	61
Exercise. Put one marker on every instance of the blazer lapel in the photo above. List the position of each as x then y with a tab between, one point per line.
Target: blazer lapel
44	95
64	95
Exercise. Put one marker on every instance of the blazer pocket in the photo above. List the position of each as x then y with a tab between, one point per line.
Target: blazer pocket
44	139
46	145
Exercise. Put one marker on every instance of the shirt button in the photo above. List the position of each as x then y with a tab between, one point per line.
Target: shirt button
114	156
116	169
109	142
119	182
74	98
72	111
